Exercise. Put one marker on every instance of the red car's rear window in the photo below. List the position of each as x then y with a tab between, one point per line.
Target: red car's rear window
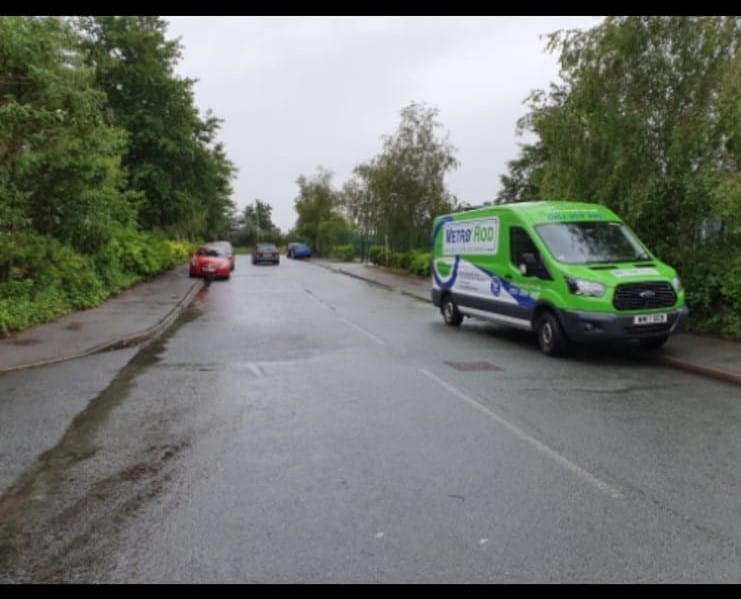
209	252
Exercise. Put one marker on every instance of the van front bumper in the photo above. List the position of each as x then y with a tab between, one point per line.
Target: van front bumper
436	297
586	327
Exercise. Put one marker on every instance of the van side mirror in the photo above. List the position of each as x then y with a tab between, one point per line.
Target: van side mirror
529	264
532	266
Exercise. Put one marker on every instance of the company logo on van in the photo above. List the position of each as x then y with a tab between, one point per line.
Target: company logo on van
470	237
466	235
575	215
496	286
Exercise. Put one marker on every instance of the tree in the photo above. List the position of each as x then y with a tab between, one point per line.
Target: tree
258	224
318	207
171	160
213	187
404	186
636	123
59	161
264	218
525	175
726	194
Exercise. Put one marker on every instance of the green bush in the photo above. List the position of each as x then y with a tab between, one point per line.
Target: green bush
377	255
346	253
730	291
416	262
421	263
42	279
400	260
712	281
108	263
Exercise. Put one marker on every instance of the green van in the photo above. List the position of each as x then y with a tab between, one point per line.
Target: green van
570	271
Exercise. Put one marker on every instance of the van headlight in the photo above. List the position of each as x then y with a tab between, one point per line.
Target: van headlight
677	282
585	288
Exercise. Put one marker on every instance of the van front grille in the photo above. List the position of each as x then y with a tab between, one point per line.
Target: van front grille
640	296
650	328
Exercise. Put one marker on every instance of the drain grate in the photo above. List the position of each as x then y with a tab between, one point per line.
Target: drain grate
473	366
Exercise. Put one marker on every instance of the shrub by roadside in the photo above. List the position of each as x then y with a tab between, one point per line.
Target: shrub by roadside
416	262
42	279
345	253
712	282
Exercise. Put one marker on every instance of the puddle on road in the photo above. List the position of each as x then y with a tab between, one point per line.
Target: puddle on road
27	512
76	442
196	307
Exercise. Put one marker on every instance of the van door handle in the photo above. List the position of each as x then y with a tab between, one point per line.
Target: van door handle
508	276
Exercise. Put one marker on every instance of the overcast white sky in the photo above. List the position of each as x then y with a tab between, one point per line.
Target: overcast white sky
298	92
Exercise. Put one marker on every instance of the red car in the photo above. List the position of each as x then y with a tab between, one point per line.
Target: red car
211	262
228	249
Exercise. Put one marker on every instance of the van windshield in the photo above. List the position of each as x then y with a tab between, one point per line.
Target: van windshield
591	242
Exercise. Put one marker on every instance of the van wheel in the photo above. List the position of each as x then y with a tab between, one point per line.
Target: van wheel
451	314
551	339
653	342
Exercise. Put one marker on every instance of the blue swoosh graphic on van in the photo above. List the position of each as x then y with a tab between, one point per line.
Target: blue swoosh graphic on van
436	230
447	284
523	300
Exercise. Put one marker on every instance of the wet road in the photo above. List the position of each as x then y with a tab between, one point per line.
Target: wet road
301	426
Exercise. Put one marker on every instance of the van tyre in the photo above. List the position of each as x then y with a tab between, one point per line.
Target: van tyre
451	314
649	343
551	337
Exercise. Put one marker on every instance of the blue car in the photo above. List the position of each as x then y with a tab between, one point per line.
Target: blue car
298	250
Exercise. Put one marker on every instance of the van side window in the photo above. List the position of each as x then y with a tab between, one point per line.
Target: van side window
520	244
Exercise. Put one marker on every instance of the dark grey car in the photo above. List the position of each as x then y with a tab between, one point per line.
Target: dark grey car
265	252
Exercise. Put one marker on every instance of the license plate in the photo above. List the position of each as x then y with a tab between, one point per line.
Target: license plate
649	319
209	269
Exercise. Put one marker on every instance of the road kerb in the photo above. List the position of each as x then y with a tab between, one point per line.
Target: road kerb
701	369
365	279
121	342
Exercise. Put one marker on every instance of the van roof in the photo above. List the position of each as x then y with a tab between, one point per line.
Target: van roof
544	211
